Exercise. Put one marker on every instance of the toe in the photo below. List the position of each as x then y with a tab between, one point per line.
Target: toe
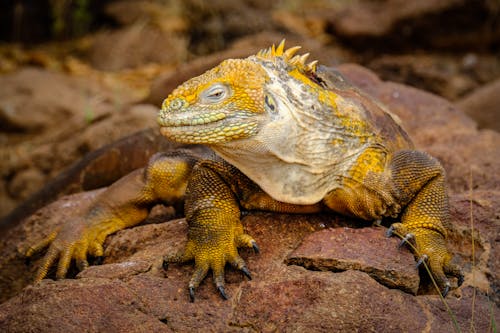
222	292
239	263
246	272
218	275
64	262
455	271
48	261
436	266
245	240
199	274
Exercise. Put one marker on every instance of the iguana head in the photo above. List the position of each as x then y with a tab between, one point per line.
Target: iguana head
231	101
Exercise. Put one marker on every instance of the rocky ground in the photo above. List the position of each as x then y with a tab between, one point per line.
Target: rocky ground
323	273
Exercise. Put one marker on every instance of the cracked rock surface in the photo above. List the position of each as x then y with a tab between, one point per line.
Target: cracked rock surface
337	249
315	272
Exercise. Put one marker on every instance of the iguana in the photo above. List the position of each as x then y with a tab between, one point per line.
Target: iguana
288	136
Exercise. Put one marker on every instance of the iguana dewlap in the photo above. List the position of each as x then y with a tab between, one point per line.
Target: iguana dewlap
289	137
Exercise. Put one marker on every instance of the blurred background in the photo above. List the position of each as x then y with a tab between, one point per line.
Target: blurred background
78	74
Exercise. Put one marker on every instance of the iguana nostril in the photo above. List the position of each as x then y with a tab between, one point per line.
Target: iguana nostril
176	104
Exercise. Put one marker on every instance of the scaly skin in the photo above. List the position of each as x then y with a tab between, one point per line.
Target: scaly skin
290	137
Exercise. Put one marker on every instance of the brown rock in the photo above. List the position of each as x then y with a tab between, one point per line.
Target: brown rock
135	45
96	305
341	249
346	302
451	76
29	104
482	105
213	26
403	24
25	182
128	12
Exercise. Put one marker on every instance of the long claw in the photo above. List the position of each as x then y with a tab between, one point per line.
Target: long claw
222	292
191	294
406	239
246	272
446	289
421	260
389	231
255	247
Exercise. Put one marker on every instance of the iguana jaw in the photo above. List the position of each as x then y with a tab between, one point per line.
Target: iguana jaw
207	127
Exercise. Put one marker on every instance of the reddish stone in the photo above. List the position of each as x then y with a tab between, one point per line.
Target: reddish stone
365	249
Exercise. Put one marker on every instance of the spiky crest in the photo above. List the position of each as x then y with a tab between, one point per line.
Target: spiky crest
298	61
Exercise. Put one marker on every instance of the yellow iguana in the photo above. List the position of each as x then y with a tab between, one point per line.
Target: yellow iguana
288	137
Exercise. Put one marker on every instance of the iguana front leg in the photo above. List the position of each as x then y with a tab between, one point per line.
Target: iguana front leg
419	182
215	230
124	204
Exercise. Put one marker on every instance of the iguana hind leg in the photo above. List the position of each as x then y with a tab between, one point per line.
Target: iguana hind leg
419	183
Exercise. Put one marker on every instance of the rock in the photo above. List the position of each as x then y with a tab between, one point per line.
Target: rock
451	76
120	270
98	305
135	45
341	249
25	182
213	26
482	105
411	25
132	286
129	12
128	120
344	302
29	104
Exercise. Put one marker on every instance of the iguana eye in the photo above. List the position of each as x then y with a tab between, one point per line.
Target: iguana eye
215	93
270	103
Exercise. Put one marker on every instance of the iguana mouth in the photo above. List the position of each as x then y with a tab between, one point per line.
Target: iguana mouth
211	128
168	120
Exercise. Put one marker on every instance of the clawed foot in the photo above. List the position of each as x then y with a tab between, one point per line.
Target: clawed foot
213	256
429	247
74	242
